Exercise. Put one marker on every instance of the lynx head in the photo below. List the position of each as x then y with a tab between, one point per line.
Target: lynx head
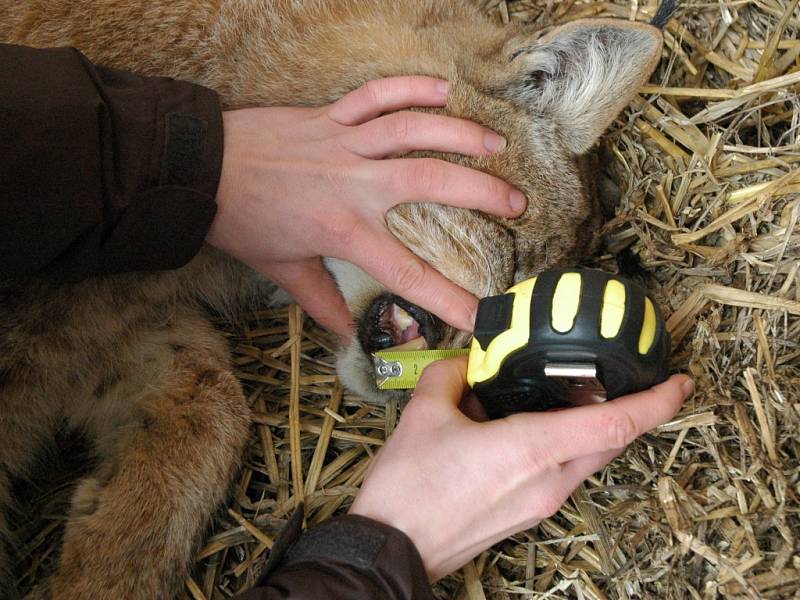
552	96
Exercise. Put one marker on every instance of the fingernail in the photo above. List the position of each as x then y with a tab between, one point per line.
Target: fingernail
494	142
517	201
443	87
688	388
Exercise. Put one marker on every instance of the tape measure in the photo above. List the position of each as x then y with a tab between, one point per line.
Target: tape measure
564	338
401	370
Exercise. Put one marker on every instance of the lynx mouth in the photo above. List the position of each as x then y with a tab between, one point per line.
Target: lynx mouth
392	323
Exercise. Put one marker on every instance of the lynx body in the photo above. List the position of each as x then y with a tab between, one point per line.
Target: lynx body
133	360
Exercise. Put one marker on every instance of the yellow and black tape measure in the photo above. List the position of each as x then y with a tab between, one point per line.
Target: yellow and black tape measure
565	337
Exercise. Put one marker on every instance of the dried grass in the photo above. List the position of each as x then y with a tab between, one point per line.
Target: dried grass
707	506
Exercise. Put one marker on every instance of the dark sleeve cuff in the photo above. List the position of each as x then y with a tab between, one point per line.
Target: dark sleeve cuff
349	557
167	154
108	171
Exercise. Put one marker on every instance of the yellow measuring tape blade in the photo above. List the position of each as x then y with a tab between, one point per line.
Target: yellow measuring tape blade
404	367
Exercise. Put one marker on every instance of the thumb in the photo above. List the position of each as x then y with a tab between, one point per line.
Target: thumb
443	383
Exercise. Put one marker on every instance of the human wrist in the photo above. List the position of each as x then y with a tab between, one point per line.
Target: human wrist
220	233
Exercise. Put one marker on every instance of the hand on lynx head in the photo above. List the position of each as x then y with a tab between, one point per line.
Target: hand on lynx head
331	159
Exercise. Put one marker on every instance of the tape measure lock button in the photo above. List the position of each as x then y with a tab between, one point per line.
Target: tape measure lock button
493	318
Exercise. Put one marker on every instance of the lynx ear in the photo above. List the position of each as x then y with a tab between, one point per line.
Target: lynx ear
581	75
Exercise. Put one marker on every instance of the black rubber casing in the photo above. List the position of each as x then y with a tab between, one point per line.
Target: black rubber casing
521	385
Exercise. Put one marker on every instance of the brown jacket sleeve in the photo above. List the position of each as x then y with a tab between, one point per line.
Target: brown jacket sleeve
345	558
102	171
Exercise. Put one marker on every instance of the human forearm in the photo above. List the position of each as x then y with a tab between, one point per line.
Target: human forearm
104	171
351	557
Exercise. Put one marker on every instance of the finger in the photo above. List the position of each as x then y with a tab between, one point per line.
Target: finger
312	287
411	278
386	95
406	131
587	430
433	180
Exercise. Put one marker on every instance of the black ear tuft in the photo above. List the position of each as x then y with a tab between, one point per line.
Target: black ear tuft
664	13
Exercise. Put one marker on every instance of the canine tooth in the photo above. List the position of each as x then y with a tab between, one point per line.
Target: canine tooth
418	343
401	318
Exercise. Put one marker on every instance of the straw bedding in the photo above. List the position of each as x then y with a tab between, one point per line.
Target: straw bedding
705	507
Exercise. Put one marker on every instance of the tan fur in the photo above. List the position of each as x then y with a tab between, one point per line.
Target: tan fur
133	359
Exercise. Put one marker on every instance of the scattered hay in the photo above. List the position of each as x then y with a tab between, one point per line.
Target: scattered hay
705	507
708	505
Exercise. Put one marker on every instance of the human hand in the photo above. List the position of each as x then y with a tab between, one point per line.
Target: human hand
456	486
301	183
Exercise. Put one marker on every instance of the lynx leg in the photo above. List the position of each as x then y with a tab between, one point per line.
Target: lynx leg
136	523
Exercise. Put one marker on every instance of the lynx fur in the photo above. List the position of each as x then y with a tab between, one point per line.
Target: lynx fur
133	360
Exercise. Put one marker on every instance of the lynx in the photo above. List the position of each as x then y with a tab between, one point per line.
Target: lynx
133	360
